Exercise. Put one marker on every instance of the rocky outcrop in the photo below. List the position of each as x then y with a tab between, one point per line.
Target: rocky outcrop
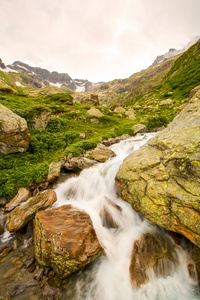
65	239
156	252
162	179
14	134
21	215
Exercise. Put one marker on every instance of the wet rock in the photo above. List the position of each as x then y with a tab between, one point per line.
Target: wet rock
3	218
20	216
65	239
101	153
29	262
51	293
22	195
18	289
162	179
31	268
10	273
38	273
154	251
6	251
84	163
14	134
106	213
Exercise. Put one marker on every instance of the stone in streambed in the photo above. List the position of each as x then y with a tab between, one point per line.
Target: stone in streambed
65	239
22	195
153	251
20	216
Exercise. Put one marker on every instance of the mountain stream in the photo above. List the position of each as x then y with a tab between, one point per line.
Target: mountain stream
108	277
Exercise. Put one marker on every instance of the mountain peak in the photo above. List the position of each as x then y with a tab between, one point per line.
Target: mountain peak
173	52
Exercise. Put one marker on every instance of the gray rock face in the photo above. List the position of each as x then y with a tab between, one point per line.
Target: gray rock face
14	134
162	179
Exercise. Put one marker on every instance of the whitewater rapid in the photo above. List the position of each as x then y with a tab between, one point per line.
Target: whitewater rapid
108	278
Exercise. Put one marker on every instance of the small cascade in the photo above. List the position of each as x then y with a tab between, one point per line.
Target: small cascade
118	228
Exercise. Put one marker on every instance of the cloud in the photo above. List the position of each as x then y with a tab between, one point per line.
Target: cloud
98	39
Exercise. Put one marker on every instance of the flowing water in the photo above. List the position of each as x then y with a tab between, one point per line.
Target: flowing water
94	191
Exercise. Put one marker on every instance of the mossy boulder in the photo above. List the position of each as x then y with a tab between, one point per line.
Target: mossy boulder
14	134
65	239
162	179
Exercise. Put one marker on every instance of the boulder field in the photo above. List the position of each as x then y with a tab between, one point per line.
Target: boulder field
161	180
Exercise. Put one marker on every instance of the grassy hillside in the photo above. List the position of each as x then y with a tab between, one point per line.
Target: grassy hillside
143	91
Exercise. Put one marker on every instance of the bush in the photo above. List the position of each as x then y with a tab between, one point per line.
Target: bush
62	97
154	122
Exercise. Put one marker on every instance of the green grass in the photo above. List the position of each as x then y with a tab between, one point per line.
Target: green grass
144	91
61	137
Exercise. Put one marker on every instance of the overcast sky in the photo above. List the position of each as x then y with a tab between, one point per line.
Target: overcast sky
98	40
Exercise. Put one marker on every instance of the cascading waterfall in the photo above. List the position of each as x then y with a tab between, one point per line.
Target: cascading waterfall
108	277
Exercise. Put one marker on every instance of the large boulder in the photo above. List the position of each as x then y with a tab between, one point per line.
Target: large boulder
153	251
65	239
14	134
162	179
21	215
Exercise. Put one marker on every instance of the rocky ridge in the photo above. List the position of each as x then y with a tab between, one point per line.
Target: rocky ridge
47	78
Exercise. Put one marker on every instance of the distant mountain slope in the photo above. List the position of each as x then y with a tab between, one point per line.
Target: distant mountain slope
54	79
173	52
38	77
